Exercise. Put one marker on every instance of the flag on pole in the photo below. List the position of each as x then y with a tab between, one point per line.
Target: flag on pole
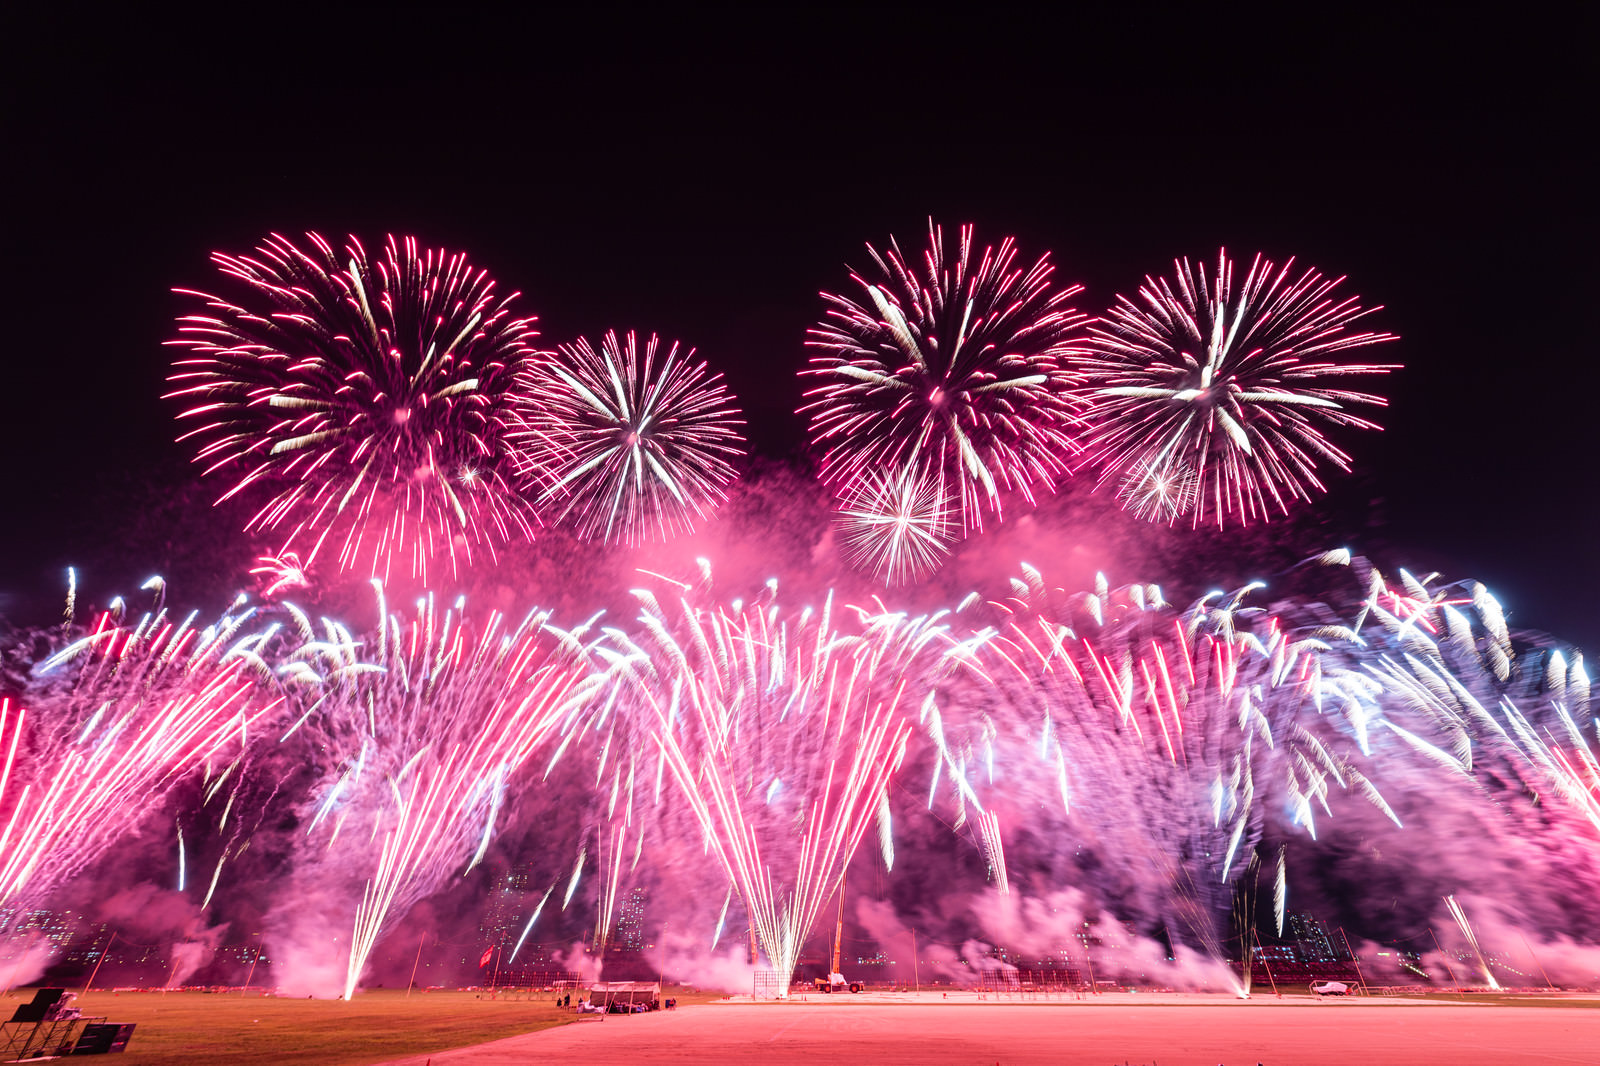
487	955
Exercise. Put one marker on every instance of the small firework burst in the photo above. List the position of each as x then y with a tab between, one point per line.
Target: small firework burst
900	525
279	573
1158	492
632	443
369	395
1228	382
964	367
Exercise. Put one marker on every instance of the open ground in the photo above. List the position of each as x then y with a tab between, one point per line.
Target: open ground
875	1028
1170	1030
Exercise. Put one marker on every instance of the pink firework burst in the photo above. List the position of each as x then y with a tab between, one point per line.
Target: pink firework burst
963	367
1226	386
369	396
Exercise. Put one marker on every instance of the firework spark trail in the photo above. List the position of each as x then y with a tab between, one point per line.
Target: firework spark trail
994	849
962	370
370	397
115	719
1472	938
782	733
634	445
429	734
532	918
1227	387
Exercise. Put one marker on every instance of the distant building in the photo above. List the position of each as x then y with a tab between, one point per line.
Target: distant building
630	921
1315	942
505	911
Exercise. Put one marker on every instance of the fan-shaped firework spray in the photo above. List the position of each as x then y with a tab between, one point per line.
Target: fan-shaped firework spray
1485	735
1153	743
1229	384
782	733
632	445
426	725
369	397
111	723
961	368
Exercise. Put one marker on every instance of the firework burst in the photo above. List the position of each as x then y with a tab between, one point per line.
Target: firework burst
1227	385
370	397
1158	492
962	368
632	444
898	525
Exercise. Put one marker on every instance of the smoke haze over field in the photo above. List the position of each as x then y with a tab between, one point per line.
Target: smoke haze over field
1133	842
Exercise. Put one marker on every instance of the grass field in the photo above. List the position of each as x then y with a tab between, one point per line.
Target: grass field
236	1030
255	1030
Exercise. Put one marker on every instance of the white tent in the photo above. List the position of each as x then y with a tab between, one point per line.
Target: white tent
605	993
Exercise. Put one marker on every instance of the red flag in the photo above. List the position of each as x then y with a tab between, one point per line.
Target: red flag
487	955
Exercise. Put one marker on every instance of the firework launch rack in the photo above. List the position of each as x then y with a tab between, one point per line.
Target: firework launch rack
50	1026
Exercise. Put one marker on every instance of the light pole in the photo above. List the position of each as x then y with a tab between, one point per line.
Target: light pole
252	973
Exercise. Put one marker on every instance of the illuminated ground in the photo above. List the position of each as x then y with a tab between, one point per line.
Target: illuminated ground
1172	1030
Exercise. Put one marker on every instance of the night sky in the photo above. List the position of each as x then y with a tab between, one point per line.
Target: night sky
706	181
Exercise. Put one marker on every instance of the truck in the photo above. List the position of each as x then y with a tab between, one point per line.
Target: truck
835	982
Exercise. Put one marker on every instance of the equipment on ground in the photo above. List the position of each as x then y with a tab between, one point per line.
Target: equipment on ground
835	982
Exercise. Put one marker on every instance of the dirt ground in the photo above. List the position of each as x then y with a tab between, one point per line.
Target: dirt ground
1160	1029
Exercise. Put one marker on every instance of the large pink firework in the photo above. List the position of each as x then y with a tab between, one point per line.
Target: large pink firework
631	443
962	368
369	396
1211	395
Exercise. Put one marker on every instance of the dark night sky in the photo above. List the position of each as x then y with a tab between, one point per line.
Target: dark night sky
707	180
